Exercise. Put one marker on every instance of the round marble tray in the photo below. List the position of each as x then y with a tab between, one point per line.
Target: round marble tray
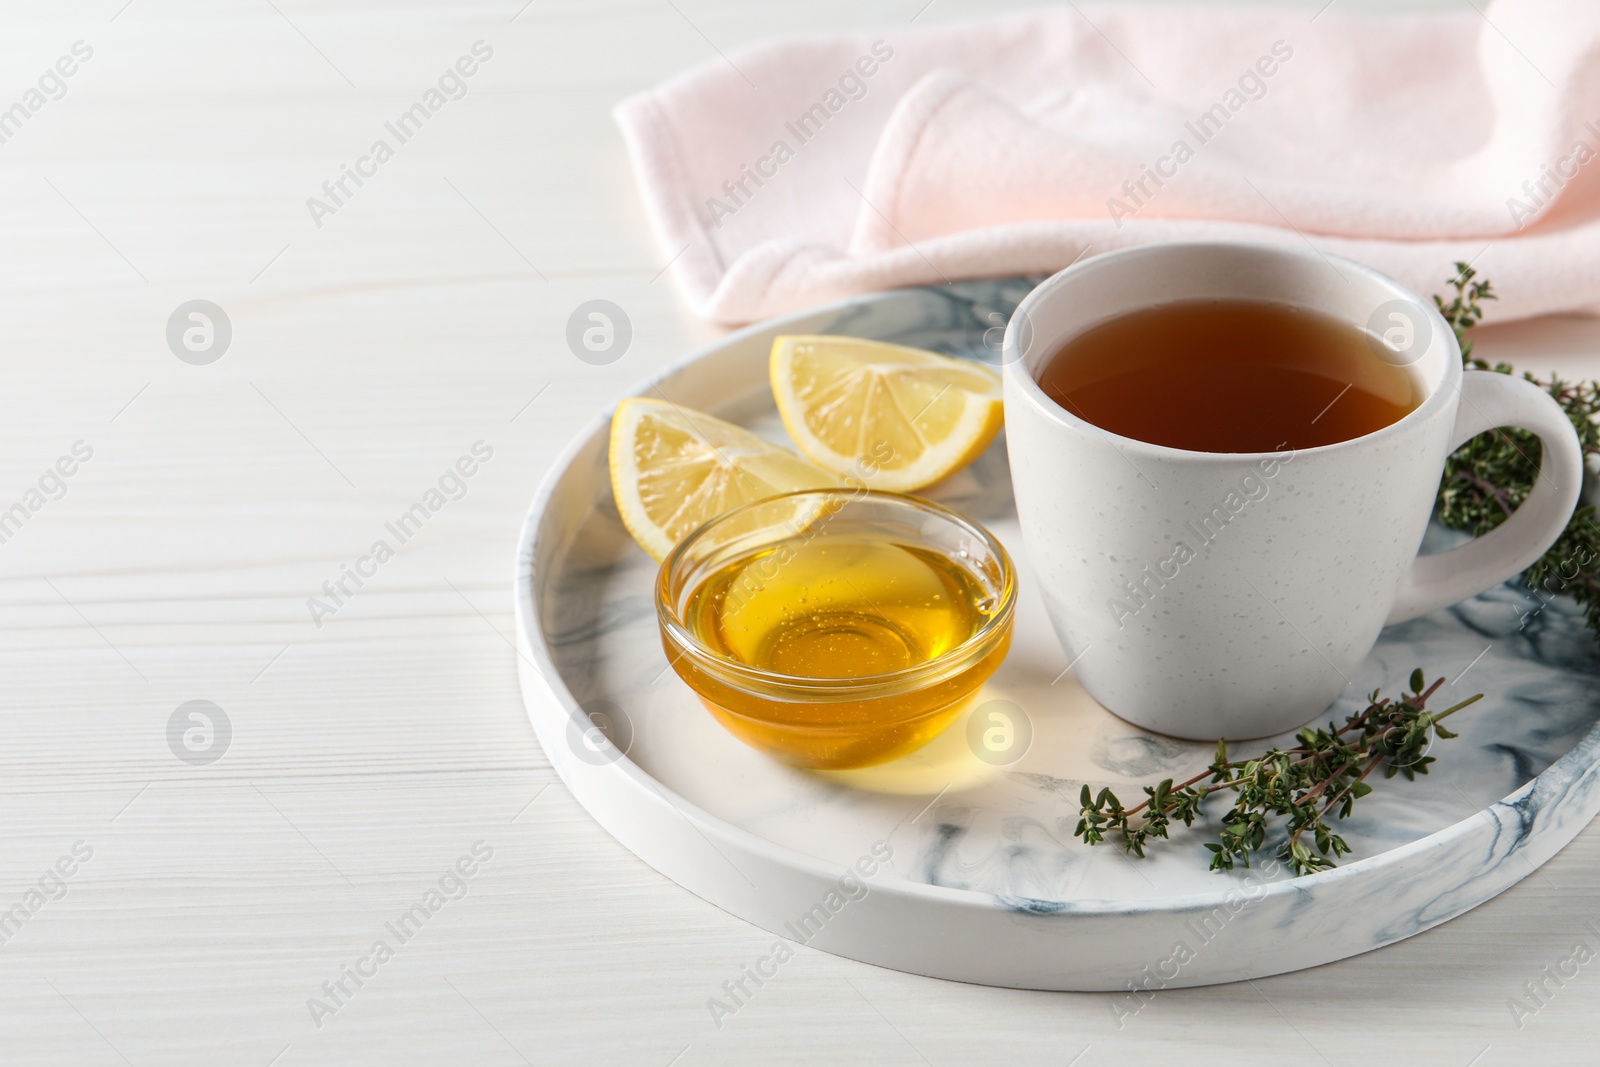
946	865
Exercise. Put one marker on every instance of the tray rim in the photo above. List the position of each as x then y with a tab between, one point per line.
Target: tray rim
534	645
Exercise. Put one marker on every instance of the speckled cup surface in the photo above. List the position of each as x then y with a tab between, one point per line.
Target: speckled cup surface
1207	595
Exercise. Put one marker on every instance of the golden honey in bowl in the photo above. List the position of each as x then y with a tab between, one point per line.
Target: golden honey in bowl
837	628
838	607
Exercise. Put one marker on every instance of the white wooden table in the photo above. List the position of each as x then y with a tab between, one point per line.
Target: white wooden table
370	753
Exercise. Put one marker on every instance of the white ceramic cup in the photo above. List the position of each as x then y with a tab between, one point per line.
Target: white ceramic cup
1206	594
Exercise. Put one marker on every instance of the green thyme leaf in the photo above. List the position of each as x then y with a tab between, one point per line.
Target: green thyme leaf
1297	790
1491	475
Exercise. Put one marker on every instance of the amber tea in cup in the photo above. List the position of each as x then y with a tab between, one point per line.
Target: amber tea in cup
1230	376
836	628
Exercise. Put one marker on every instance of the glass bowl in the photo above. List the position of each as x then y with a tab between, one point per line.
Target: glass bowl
837	628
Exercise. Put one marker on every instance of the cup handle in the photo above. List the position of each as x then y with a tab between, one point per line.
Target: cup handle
1488	400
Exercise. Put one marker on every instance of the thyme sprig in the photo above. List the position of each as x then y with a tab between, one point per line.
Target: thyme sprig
1297	789
1489	476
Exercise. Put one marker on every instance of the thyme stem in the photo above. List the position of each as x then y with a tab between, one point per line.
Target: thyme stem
1306	787
1488	477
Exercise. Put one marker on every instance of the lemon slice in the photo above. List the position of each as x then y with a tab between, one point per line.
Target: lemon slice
673	468
884	415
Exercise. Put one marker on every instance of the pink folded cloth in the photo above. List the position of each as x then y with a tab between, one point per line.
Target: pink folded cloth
800	171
